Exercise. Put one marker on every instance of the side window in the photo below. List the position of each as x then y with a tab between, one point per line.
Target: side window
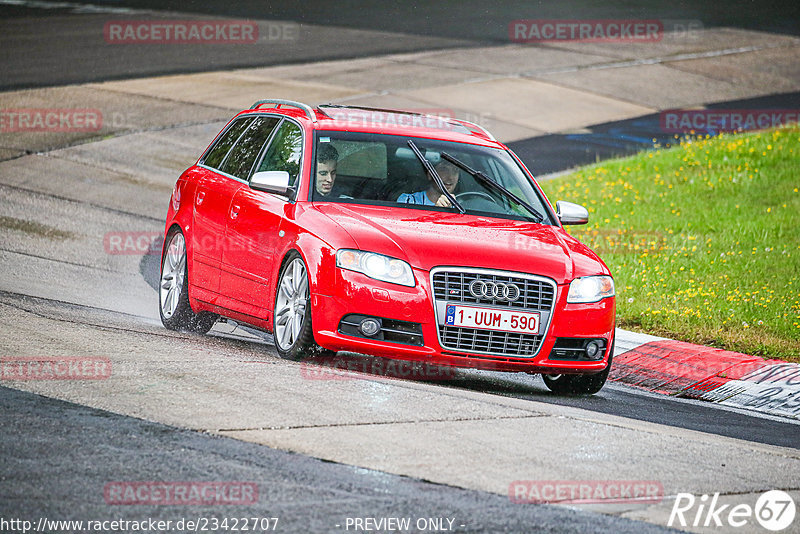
241	158
225	142
284	151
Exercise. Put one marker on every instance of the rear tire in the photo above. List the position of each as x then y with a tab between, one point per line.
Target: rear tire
173	290
291	324
579	384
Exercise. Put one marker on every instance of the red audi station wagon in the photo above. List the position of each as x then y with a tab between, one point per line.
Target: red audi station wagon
385	233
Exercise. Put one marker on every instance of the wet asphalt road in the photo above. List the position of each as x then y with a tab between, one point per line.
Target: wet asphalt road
55	43
58	457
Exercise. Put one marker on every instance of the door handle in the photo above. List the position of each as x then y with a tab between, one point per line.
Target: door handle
234	212
201	195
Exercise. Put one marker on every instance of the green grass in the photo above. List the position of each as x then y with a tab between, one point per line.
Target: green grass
703	239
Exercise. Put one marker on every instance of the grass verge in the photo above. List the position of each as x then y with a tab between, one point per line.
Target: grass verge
703	239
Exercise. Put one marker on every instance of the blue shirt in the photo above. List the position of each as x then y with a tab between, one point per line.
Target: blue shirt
415	198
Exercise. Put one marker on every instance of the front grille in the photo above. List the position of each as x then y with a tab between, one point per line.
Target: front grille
536	294
453	286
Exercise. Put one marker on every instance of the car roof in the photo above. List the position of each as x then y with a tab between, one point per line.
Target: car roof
381	121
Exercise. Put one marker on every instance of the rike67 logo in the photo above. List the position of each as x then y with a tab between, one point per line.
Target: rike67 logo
774	510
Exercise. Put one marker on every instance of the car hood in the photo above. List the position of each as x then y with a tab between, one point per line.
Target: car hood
428	239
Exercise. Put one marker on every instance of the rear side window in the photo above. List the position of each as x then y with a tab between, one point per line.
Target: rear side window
220	149
361	159
284	151
241	158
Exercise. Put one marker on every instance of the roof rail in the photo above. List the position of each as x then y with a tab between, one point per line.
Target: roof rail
278	103
367	108
475	128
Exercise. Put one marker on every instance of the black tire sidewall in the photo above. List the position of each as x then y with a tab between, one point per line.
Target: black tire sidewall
580	384
184	318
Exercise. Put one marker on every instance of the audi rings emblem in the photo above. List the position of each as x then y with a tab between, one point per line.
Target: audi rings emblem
494	290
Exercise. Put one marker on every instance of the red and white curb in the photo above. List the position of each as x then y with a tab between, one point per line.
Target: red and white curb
694	371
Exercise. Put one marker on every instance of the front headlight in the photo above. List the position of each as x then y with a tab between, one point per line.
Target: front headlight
590	289
376	266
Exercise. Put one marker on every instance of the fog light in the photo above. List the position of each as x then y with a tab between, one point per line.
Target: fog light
369	327
592	348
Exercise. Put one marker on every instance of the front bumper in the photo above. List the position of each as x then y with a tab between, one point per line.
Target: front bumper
355	293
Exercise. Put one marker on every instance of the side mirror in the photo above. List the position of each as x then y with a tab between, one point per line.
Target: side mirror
271	182
569	213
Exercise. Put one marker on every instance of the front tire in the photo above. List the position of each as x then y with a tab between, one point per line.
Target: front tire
173	290
579	384
294	336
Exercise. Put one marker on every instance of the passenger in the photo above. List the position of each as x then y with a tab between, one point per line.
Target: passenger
327	159
433	196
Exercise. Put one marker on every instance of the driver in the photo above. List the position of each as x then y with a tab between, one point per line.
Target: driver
432	196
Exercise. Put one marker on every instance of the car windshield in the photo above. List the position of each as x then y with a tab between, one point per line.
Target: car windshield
368	168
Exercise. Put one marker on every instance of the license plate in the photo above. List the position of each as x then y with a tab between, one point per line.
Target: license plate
492	319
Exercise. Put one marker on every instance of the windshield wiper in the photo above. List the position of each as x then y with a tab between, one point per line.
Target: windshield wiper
491	183
436	178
